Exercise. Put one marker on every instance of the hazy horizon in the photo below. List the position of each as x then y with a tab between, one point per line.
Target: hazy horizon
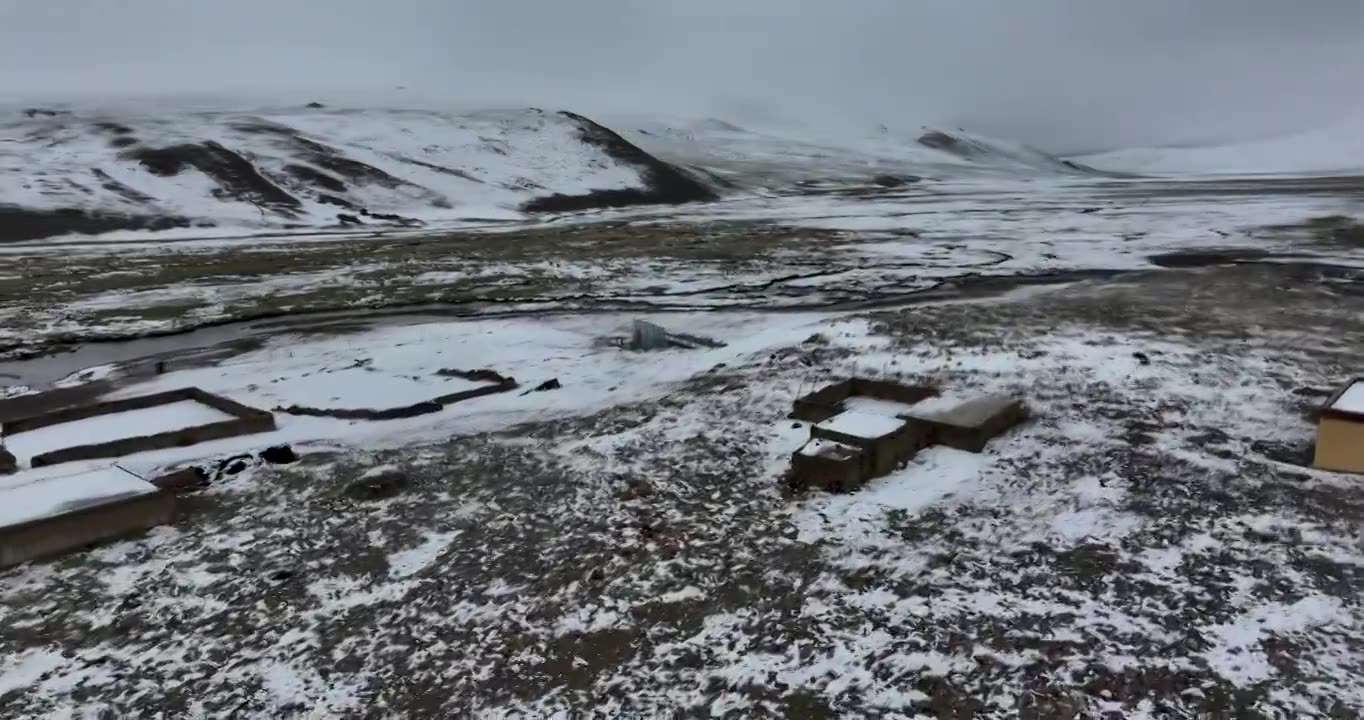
1065	75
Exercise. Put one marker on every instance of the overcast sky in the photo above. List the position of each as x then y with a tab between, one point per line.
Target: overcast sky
1063	74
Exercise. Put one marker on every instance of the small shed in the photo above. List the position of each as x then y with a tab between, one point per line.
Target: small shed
1340	430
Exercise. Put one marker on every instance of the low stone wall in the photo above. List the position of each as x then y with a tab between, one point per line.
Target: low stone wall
425	407
42	403
51	536
973	435
822	404
246	421
827	402
893	391
831	474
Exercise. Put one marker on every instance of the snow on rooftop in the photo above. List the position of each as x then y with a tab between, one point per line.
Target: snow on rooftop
1352	400
863	424
960	411
30	496
819	447
880	406
111	427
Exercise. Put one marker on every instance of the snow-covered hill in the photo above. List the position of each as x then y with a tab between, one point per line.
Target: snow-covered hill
1338	147
778	157
64	171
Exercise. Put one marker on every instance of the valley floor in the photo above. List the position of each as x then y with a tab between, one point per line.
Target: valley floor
1150	544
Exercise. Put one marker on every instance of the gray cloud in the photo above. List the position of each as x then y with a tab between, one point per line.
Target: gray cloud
1064	74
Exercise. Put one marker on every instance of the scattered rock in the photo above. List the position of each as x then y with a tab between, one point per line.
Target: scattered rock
183	480
1211	436
281	575
636	488
8	464
379	486
401	220
314	105
550	384
816	339
279	455
345	219
480	375
1286	452
1311	392
233	465
1142	358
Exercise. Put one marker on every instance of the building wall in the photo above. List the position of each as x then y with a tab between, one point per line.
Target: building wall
1340	445
832	474
64	533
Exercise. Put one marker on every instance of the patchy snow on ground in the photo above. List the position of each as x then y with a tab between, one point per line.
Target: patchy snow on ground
632	551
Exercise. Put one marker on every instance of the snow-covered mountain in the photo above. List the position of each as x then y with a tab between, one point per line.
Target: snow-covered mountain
1337	147
64	171
306	167
775	158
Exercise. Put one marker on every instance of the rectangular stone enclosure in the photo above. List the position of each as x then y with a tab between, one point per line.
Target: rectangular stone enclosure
845	451
55	515
827	402
244	421
970	425
829	465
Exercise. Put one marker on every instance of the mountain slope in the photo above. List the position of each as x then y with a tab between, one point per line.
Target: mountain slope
1338	147
68	172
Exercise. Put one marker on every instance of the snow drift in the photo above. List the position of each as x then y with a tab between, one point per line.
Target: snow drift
64	172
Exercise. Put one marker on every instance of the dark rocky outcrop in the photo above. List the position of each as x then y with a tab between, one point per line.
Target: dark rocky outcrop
236	177
183	480
18	224
664	184
279	455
